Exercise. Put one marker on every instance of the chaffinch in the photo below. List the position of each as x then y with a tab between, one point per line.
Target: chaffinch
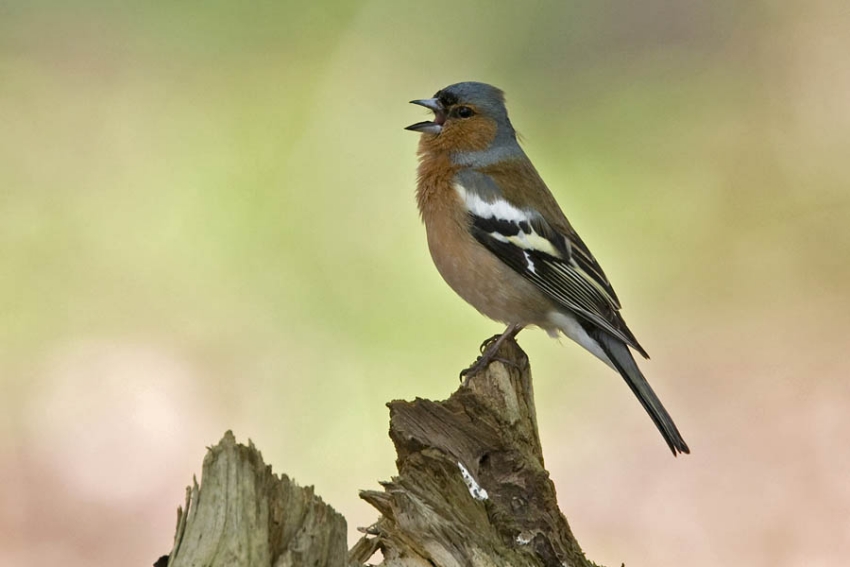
500	240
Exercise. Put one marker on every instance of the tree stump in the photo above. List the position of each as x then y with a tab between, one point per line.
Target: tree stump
471	490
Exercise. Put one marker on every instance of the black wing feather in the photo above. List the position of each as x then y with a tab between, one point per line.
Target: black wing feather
573	280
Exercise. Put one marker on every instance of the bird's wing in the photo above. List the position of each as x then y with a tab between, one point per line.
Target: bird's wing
557	262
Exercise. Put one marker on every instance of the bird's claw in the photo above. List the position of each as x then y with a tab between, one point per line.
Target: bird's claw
483	361
475	367
487	356
489	348
486	344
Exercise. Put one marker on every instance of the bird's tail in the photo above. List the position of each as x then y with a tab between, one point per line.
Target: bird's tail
622	359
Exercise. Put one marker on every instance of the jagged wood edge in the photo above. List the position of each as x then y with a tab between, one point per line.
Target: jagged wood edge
428	513
242	514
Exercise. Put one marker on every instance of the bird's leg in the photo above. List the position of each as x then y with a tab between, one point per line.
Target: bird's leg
489	348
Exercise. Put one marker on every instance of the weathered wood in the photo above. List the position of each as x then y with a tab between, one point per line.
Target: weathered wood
471	488
243	515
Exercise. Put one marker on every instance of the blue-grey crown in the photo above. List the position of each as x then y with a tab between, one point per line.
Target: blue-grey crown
487	98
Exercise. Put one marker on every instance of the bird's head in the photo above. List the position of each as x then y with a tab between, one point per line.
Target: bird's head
468	117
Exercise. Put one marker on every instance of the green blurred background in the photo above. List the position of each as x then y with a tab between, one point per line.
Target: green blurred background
207	222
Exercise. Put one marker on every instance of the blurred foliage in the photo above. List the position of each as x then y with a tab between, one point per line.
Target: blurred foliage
230	185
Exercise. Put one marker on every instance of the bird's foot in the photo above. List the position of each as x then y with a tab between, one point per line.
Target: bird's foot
489	348
480	363
483	361
486	344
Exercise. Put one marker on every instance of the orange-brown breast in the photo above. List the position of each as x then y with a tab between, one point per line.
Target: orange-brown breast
471	270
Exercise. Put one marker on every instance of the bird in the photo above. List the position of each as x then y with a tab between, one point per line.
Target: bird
500	240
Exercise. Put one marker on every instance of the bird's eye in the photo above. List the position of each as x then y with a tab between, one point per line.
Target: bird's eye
464	112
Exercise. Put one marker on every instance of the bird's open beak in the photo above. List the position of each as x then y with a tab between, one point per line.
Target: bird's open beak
434	127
